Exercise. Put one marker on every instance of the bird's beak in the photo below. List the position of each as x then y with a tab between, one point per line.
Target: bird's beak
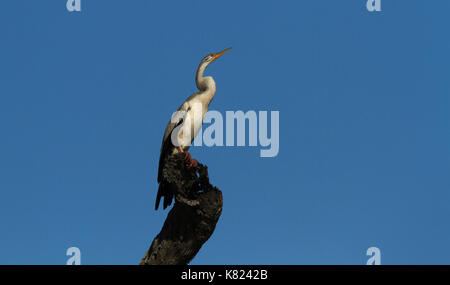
217	55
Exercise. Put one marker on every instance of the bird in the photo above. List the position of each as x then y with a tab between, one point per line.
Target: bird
185	125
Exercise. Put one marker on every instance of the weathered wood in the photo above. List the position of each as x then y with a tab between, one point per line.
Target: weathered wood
192	219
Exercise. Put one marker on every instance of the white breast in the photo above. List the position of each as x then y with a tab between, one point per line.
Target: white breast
192	123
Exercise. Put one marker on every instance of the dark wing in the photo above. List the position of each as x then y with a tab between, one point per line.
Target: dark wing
166	149
166	145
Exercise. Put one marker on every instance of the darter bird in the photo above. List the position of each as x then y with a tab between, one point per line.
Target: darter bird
182	129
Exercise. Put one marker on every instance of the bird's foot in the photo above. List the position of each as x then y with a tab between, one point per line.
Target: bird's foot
190	162
187	156
193	163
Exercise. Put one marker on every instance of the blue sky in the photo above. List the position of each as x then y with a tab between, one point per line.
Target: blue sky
364	128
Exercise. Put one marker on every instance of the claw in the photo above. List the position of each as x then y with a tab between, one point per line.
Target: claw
190	162
193	163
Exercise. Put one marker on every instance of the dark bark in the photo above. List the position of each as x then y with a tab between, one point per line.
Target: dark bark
192	219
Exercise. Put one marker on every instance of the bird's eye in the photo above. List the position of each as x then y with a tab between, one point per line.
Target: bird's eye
207	58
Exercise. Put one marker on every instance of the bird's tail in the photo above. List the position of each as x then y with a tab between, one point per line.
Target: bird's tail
164	190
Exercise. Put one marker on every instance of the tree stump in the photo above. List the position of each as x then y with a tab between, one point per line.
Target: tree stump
193	218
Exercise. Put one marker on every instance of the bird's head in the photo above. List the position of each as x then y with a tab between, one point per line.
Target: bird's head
204	83
213	56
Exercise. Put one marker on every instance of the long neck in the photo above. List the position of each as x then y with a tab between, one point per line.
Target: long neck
206	84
